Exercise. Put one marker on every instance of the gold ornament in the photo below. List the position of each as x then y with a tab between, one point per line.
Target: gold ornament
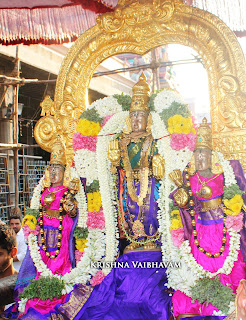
140	96
158	166
204	136
58	155
139	26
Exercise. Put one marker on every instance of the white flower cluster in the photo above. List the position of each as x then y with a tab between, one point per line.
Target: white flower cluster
107	185
164	99
35	201
106	106
228	171
163	145
80	197
85	163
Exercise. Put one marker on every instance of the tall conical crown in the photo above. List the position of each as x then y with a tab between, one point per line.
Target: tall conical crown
140	95
204	136
58	155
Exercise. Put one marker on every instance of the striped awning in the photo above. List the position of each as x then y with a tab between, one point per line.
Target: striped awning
48	21
59	21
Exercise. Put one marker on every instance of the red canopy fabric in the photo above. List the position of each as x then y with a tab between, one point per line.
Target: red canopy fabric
59	21
48	21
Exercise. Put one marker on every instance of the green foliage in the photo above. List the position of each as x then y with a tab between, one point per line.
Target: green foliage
175	108
212	290
43	288
231	191
91	115
93	187
80	233
172	207
124	100
152	99
33	212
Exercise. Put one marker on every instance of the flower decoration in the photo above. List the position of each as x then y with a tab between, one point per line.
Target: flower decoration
234	205
176	222
180	141
177	236
94	201
78	255
88	128
98	278
84	142
96	220
179	124
27	230
81	244
30	221
167	98
234	222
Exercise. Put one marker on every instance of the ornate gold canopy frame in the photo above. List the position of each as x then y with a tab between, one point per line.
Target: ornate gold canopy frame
137	26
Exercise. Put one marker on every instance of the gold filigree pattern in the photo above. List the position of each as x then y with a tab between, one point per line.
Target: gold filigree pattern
138	26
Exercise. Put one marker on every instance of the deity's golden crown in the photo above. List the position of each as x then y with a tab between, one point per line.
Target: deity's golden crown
204	136
58	155
140	97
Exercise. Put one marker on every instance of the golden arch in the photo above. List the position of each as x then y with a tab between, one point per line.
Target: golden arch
137	27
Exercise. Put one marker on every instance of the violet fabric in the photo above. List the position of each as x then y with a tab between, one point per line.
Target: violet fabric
130	293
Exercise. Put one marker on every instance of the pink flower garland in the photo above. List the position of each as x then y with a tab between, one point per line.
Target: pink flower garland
98	278
177	236
234	222
95	220
84	142
78	255
27	231
180	141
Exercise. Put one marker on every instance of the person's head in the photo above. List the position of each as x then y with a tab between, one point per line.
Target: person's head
139	121
15	222
56	174
8	247
203	159
139	109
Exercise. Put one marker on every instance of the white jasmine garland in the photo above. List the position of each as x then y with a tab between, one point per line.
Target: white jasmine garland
228	171
163	145
164	99
35	201
106	106
85	163
80	197
107	185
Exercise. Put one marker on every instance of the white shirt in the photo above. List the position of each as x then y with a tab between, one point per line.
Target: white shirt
21	249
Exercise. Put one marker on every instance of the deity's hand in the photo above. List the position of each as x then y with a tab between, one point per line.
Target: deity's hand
114	152
70	205
158	166
181	197
74	185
